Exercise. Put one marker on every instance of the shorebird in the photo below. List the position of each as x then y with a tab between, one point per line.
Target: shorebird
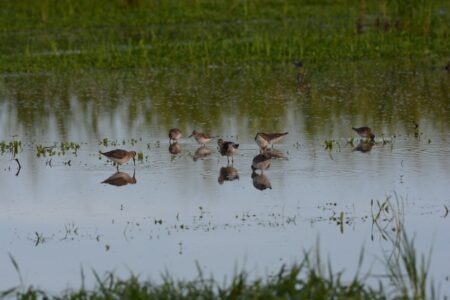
261	162
364	132
120	179
227	174
174	134
120	156
260	181
201	138
265	139
227	149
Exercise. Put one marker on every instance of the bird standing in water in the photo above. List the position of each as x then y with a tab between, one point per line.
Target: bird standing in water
365	132
265	139
120	156
227	149
174	135
200	137
261	162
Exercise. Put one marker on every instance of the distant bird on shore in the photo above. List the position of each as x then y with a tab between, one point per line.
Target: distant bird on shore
201	138
227	149
120	156
174	134
265	139
364	132
261	162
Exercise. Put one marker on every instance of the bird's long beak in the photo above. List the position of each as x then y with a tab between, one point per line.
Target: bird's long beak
134	161
190	135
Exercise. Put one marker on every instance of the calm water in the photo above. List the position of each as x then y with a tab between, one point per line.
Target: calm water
58	217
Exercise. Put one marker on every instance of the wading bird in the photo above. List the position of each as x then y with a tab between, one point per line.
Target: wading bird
120	156
227	149
201	138
364	132
265	139
174	135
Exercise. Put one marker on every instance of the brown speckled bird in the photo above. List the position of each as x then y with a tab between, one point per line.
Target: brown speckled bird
174	135
364	132
227	149
265	139
120	156
201	137
261	162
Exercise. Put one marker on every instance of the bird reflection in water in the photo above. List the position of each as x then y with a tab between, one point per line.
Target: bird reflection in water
121	179
175	148
277	154
201	153
228	174
260	181
363	147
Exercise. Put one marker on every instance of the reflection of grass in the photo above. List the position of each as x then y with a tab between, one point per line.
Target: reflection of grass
309	279
115	34
189	97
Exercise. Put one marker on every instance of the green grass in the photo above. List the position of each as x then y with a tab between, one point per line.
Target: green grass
67	34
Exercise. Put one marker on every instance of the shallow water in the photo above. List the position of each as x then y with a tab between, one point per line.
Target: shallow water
58	218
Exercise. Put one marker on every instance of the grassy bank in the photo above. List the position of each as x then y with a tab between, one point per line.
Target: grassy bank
66	34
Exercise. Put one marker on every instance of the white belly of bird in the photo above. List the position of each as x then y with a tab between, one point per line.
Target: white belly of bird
120	161
262	143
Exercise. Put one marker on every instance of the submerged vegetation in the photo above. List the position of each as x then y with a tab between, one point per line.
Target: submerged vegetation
69	34
13	147
53	150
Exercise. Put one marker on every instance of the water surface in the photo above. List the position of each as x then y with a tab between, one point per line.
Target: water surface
58	217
